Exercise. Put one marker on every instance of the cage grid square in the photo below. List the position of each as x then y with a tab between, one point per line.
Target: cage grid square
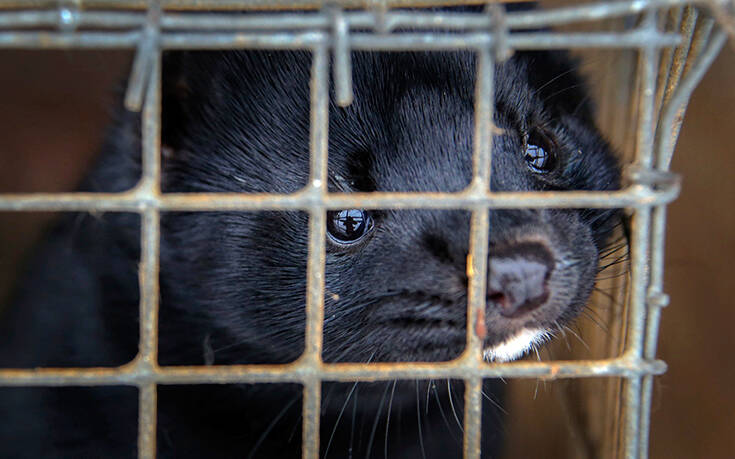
153	27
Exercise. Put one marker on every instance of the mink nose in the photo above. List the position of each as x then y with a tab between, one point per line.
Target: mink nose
518	278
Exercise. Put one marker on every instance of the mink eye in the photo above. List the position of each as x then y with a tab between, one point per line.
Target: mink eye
348	226
539	153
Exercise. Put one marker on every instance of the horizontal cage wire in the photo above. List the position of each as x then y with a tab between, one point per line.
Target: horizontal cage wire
675	42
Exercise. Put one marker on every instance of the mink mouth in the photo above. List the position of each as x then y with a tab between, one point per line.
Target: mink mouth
437	323
418	310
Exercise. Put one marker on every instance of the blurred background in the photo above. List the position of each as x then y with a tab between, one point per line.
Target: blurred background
55	107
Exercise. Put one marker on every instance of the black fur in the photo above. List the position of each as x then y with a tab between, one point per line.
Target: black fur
233	283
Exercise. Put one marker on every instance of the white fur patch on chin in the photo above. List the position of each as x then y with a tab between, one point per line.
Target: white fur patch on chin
516	345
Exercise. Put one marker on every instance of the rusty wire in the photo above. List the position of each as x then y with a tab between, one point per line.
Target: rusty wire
121	24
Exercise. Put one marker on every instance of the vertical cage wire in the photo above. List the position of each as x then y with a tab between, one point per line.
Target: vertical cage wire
477	258
667	78
316	258
150	184
639	240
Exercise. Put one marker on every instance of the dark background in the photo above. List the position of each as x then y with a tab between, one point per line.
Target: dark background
55	107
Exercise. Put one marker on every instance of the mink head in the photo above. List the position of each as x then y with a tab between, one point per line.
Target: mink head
396	282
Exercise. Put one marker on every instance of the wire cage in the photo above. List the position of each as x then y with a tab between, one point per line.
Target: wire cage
672	43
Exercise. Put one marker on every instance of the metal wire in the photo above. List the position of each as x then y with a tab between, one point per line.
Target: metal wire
45	24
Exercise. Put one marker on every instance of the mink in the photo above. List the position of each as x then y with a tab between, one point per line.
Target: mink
233	283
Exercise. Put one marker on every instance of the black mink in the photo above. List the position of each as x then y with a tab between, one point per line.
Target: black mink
233	283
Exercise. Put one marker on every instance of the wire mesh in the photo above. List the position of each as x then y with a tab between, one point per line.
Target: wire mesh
672	59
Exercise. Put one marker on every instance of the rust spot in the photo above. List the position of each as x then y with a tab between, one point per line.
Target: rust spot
553	371
480	326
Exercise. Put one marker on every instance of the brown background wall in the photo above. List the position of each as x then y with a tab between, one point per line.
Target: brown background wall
54	108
